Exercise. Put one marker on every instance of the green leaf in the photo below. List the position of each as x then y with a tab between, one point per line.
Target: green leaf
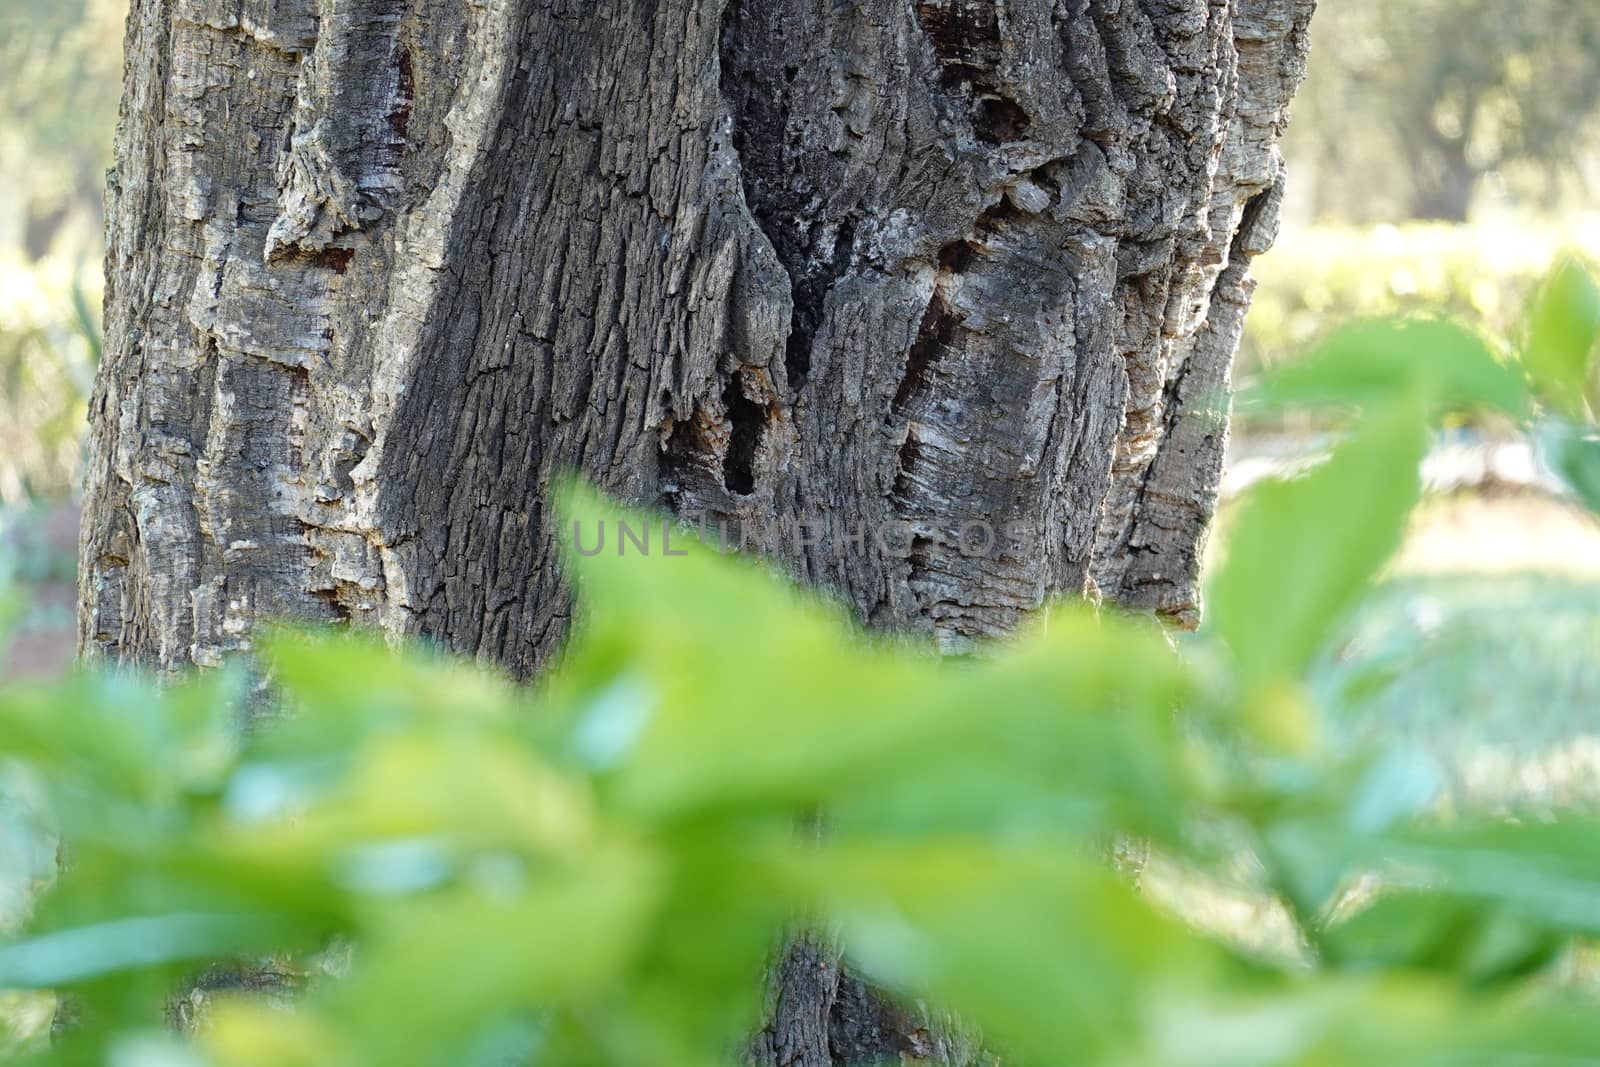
69	956
1423	930
558	935
1563	327
697	684
1046	950
1304	550
1067	729
1545	875
1575	455
1543	872
1368	363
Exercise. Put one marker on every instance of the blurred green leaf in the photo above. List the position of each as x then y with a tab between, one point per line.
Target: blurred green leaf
599	870
1547	873
1418	930
1449	366
1574	453
1047	951
1563	328
1303	551
69	956
696	683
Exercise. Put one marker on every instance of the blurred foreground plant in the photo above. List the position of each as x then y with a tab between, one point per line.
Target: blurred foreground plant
447	869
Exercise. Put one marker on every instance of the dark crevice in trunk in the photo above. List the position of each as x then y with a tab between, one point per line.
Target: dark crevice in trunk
866	1026
748	420
400	113
340	611
810	300
994	218
906	462
780	191
918	555
1000	120
709	448
335	259
965	35
683	450
933	337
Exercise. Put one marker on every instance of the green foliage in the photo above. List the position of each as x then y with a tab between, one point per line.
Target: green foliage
1563	330
1304	550
1439	364
451	869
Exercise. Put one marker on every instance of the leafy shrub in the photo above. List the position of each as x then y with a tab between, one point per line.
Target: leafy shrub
438	867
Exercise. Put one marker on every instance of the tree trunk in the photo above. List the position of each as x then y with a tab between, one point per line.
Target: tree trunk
379	270
1444	180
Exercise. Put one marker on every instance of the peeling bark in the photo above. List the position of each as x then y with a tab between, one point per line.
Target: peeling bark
379	270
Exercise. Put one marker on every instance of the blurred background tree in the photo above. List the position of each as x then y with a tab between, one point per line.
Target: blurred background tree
60	74
58	101
1417	110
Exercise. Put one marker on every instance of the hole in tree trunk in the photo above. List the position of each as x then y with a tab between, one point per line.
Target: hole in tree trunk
748	419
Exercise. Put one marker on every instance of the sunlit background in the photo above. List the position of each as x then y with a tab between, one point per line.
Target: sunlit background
1443	153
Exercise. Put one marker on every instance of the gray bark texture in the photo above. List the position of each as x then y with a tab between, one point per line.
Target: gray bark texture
380	270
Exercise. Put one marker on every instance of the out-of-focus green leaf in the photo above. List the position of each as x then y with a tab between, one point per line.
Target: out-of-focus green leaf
467	791
1067	729
600	870
574	929
1370	363
359	683
1436	932
696	683
1575	455
87	952
1541	876
126	734
1303	550
1546	873
1046	950
1563	328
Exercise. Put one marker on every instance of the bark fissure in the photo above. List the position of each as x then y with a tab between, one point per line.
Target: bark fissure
966	37
815	253
747	421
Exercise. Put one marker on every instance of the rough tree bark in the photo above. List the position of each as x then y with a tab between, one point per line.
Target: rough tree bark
380	269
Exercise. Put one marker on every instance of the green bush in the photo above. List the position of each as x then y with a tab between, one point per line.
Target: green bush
425	864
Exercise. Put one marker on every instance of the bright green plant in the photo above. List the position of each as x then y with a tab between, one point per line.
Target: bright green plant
447	869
